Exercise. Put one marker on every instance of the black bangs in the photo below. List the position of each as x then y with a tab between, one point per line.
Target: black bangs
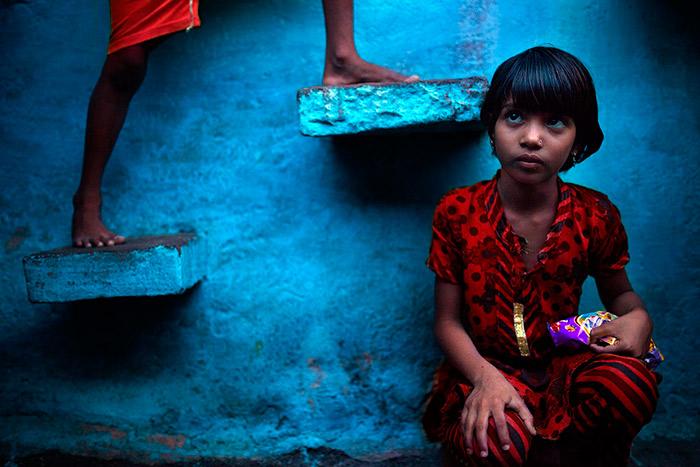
534	84
547	79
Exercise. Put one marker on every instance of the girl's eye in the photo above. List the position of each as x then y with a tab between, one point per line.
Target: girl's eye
513	117
556	123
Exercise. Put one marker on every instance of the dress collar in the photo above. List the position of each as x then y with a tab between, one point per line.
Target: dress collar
515	243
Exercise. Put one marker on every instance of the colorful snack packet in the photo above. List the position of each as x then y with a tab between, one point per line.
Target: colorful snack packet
575	332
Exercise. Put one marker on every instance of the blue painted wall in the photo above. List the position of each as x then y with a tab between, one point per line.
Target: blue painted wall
313	327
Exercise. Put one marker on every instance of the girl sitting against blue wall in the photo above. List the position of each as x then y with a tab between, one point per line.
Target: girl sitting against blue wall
511	254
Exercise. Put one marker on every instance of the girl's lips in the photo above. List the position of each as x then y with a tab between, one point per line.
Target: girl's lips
529	158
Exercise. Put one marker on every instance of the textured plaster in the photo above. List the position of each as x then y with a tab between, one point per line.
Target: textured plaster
144	266
348	110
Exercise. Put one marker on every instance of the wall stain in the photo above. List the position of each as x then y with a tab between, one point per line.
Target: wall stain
97	428
17	238
316	368
171	441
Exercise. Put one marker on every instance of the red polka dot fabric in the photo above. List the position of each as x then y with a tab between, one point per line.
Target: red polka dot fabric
474	246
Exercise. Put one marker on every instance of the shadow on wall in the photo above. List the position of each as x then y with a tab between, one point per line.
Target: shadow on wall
677	15
219	13
675	21
107	338
404	168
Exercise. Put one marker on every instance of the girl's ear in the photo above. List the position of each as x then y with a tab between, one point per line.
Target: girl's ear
491	137
577	152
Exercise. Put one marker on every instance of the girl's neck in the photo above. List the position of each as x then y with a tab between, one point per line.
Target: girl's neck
523	198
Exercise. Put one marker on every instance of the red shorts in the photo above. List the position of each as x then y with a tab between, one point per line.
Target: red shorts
136	21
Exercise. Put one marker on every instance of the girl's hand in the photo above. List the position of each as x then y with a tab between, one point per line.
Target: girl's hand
491	395
632	331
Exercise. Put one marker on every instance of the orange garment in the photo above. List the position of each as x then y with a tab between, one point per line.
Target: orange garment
136	21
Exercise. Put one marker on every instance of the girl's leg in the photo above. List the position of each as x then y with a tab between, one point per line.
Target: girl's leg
520	437
122	75
613	398
343	65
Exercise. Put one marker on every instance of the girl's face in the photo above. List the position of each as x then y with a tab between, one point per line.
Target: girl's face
532	146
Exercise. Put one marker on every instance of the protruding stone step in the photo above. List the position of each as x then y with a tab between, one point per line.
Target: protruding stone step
441	105
145	266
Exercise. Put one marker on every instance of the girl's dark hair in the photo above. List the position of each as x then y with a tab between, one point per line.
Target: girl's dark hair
547	79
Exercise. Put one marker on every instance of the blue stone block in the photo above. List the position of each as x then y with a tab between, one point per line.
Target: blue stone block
144	266
444	105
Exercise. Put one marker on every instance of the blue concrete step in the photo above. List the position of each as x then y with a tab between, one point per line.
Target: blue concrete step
441	105
144	266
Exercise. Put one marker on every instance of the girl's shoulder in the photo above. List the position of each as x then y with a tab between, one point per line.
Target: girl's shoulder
592	203
462	197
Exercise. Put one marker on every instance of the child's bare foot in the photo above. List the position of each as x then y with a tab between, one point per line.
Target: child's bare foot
88	230
353	70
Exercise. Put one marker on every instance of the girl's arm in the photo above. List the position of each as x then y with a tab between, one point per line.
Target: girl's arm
492	393
633	327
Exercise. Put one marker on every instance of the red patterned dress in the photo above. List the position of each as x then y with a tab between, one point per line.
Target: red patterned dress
474	246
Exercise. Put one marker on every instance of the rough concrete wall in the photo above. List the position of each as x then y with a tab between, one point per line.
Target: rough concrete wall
313	327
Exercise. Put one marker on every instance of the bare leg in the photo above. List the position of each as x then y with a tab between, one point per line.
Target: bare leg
343	65
122	75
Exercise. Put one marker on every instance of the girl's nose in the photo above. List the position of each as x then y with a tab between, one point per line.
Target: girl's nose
532	137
